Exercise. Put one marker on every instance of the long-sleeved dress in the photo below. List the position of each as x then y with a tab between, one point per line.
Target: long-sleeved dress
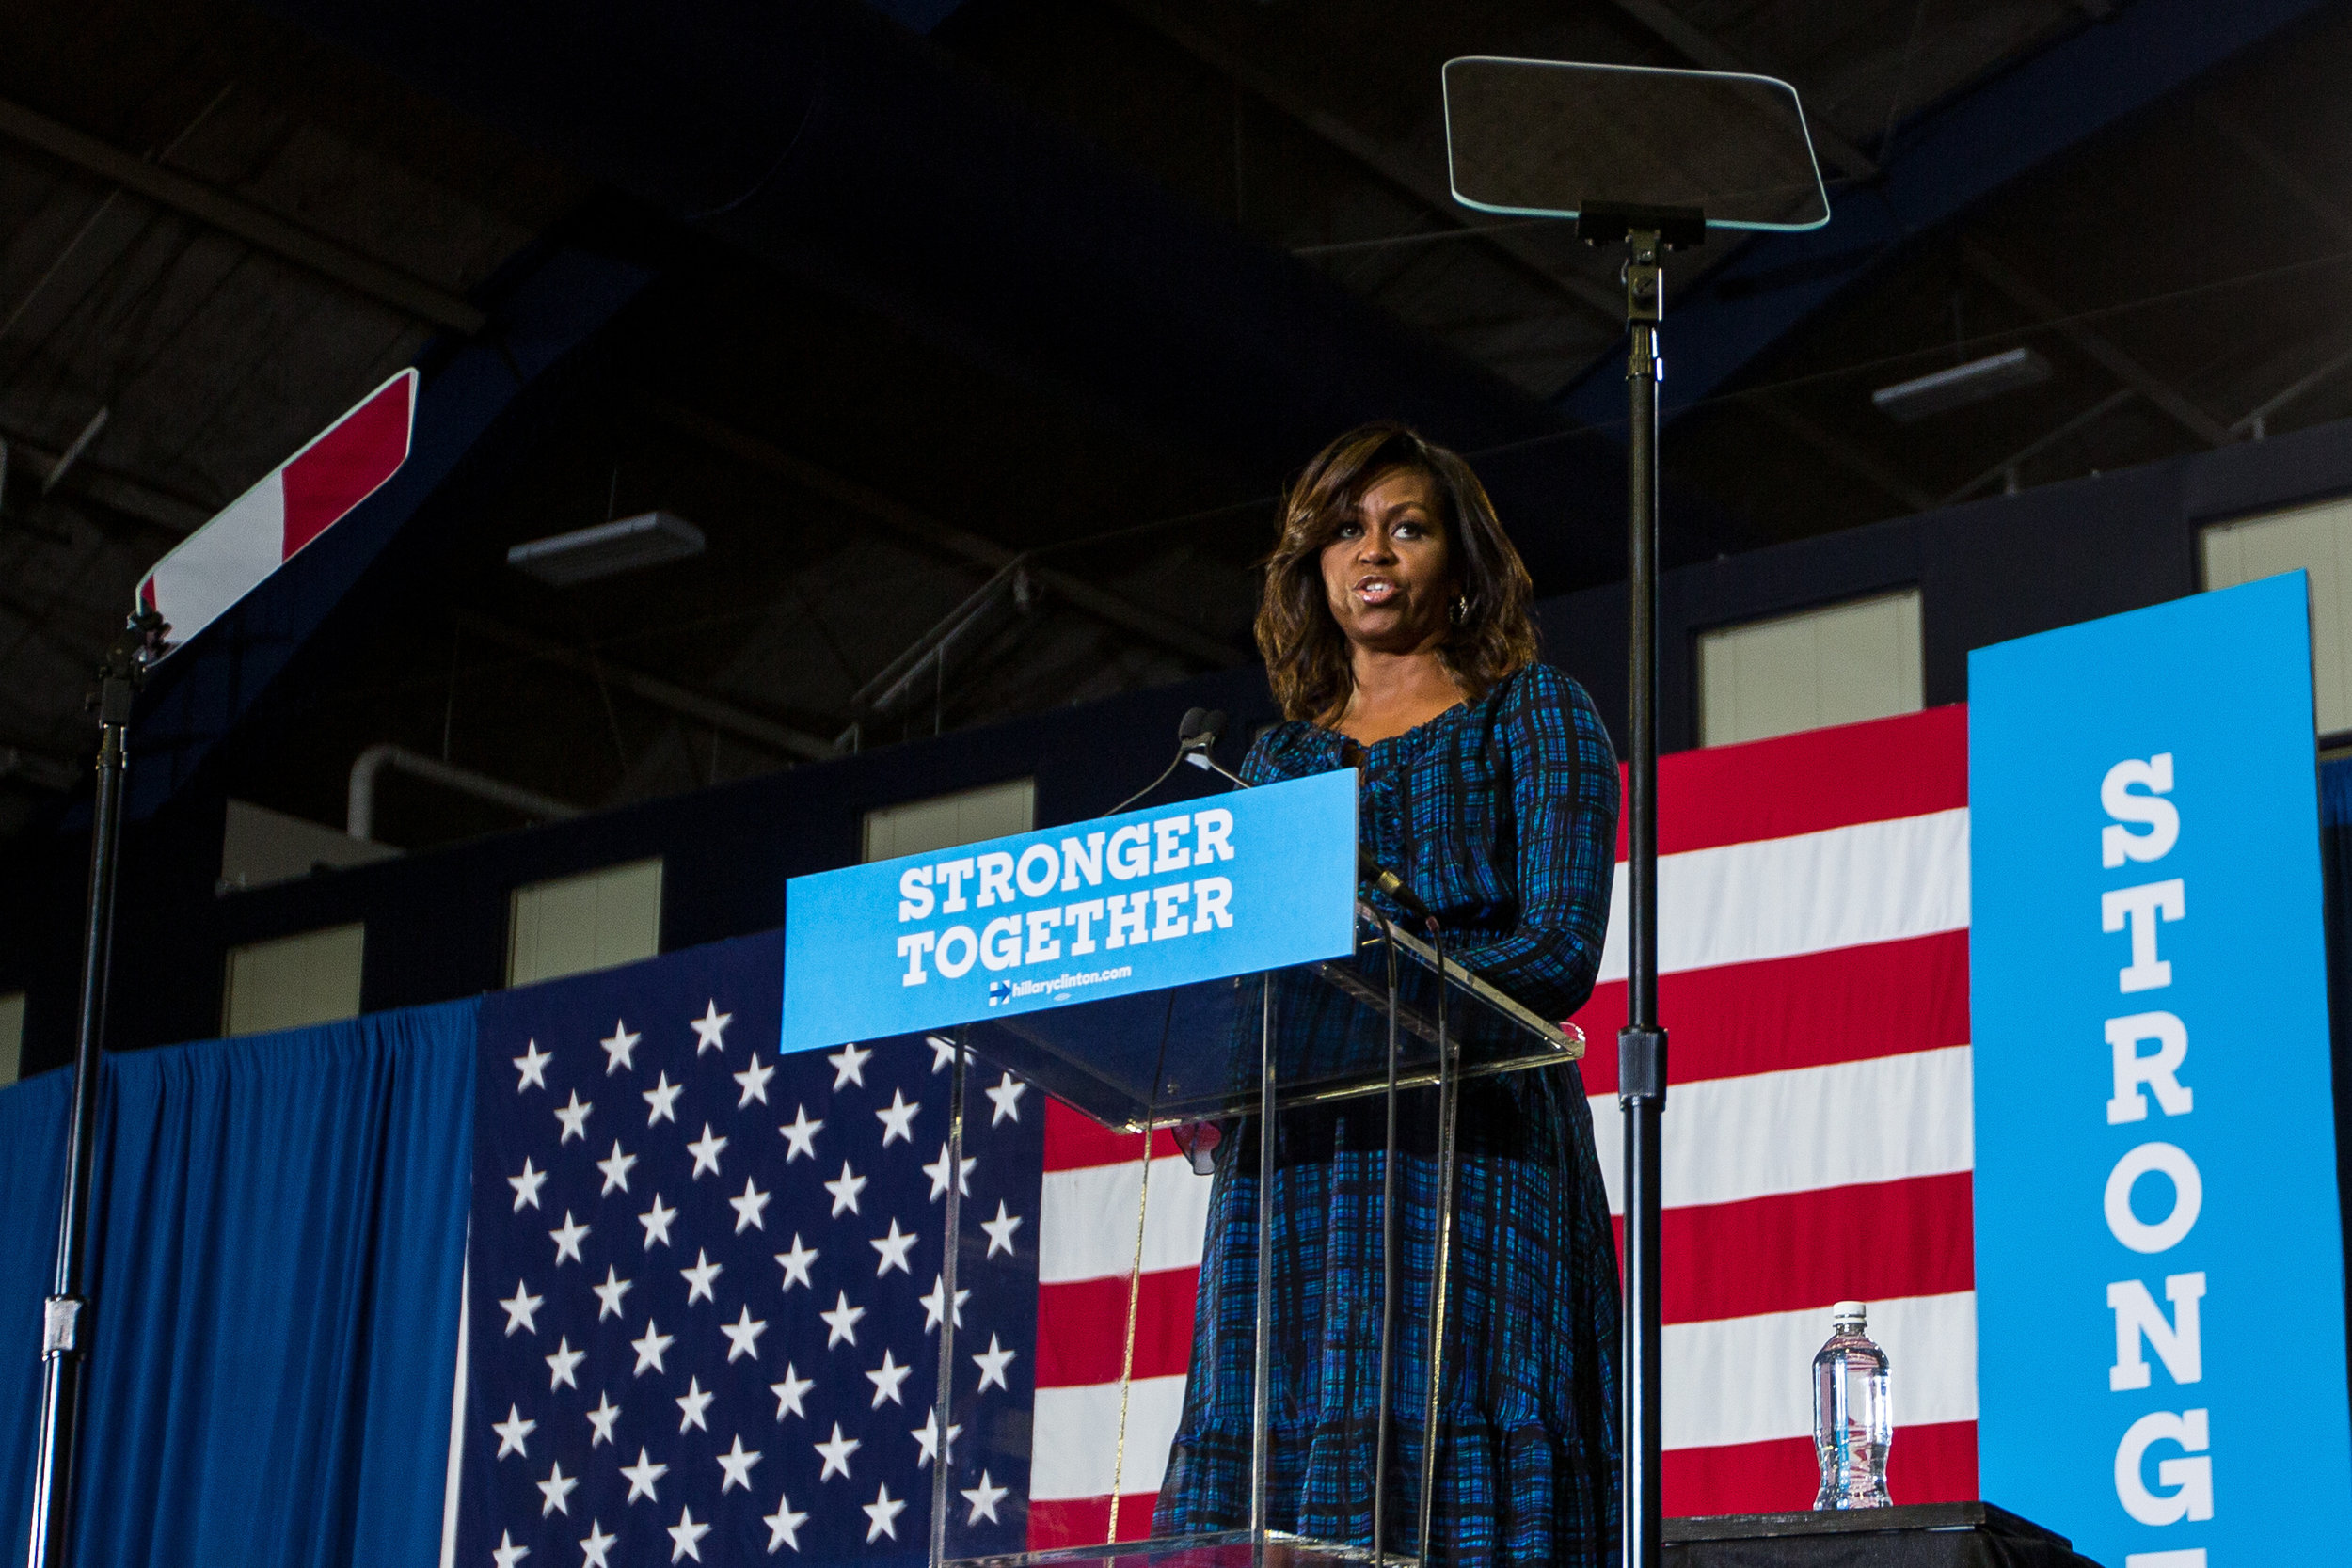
1502	815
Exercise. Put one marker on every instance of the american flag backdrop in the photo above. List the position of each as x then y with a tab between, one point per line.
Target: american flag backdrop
1813	944
704	1281
1814	909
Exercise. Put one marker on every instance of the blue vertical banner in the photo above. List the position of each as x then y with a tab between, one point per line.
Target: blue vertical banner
2159	1265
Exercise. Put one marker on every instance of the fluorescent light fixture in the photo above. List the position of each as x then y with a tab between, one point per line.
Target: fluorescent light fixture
585	554
1961	385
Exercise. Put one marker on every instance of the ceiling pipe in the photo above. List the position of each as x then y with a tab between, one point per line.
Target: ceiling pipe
888	689
359	810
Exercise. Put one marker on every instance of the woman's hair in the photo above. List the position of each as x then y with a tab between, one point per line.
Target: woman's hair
1306	655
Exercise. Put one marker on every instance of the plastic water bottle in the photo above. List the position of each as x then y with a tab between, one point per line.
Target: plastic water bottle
1852	1418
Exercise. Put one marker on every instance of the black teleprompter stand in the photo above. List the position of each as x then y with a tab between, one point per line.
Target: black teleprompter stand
1646	158
1646	233
64	1318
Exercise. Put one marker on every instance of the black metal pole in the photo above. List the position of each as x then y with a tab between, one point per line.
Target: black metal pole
66	1330
1641	1046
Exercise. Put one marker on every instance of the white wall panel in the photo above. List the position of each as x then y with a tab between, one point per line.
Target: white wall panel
2319	539
11	1037
592	921
944	821
1836	665
291	981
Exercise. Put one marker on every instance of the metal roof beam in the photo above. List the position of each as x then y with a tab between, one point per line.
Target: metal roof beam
2130	372
760	731
945	538
2255	422
258	228
2281	173
1699	47
1947	160
119	492
2040	444
1845	454
1433	194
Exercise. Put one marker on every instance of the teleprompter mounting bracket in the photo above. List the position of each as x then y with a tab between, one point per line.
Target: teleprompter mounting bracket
1603	223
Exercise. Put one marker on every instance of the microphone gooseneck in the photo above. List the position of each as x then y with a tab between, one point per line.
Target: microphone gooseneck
1197	735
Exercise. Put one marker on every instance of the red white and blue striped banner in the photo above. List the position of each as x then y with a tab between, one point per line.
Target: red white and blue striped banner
288	508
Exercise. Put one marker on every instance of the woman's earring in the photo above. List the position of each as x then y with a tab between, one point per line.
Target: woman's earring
1460	608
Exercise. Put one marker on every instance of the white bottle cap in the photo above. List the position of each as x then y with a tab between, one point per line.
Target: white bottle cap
1853	1310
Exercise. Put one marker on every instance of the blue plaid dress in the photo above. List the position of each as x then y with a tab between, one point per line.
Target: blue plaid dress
1501	813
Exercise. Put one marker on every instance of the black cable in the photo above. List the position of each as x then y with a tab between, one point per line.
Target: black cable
1172	765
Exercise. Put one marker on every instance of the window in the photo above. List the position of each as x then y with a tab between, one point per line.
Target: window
284	983
2319	539
1835	665
11	1037
594	920
944	821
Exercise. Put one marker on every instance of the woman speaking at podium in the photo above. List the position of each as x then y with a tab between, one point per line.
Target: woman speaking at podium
1398	638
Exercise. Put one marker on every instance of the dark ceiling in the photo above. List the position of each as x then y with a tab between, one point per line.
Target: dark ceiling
1209	235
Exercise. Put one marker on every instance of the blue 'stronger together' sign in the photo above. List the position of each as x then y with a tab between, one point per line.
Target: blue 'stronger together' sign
2159	1262
1257	880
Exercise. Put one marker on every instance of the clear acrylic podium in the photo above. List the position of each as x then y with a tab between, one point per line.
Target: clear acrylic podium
1395	1014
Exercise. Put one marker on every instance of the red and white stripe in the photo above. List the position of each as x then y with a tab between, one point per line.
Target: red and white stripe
1814	946
292	505
1813	899
1087	1239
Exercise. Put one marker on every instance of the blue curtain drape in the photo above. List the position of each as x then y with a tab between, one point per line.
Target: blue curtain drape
280	1235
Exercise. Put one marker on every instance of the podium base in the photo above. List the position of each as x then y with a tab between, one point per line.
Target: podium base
1237	1548
1910	1535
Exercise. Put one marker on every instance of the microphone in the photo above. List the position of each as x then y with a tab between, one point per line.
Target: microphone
1196	742
1195	736
1399	892
1200	732
1198	735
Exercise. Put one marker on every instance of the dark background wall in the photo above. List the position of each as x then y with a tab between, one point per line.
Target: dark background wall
437	920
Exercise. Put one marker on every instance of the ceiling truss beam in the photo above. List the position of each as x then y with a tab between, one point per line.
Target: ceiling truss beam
1844	452
2281	173
2255	422
743	724
1432	194
120	492
1700	48
255	225
1949	158
946	538
2041	444
2020	293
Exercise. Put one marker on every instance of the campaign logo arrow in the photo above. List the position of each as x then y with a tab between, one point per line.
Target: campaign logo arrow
267	526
